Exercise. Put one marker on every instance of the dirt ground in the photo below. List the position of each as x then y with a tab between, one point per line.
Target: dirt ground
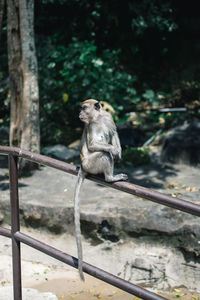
94	289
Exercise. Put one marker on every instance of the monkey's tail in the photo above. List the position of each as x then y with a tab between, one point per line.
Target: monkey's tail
81	177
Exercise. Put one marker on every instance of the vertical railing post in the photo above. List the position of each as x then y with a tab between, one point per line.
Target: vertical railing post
15	226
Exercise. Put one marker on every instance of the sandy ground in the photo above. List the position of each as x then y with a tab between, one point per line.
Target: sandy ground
95	289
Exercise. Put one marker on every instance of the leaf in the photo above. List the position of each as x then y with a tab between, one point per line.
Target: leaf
98	296
65	97
149	94
175	195
51	65
171	185
191	189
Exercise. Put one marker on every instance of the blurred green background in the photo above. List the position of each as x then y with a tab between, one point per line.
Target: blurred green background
135	55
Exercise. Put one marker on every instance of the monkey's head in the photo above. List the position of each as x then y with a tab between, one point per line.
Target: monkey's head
90	109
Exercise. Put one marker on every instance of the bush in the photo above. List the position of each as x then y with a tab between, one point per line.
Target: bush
88	74
73	74
135	157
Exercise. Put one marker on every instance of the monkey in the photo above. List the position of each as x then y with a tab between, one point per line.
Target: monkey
99	148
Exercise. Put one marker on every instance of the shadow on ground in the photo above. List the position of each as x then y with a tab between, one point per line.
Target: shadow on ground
151	176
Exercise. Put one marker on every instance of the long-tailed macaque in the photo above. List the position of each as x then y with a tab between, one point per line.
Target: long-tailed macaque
100	147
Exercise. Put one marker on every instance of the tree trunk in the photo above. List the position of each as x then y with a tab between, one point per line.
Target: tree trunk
1	15
30	132
24	123
15	73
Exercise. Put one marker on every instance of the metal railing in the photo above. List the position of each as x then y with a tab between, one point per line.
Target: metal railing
18	237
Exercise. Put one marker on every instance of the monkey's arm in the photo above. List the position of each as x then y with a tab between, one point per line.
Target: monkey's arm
94	146
116	144
96	141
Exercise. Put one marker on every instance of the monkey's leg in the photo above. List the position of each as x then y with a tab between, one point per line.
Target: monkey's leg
101	162
109	170
94	164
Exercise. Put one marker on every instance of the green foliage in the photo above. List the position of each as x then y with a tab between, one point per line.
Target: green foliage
89	74
135	157
160	16
155	98
78	72
121	52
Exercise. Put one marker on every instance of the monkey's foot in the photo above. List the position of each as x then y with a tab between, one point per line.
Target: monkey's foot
117	177
123	176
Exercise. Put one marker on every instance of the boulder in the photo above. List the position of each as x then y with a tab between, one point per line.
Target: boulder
130	136
4	135
182	145
61	152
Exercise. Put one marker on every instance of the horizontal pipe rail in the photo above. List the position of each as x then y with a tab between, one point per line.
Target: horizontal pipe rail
89	269
5	232
127	187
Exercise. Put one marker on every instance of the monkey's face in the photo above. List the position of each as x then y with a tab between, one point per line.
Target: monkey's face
85	113
89	112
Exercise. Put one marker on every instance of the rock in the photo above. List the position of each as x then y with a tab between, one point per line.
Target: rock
6	293
152	264
182	145
75	145
61	152
4	135
140	220
129	136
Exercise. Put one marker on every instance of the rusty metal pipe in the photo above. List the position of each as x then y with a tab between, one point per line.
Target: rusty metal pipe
40	159
5	232
15	225
154	196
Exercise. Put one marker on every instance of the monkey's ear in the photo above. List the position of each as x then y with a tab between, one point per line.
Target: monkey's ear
97	106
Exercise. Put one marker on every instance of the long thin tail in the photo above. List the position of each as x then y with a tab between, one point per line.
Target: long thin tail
81	176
